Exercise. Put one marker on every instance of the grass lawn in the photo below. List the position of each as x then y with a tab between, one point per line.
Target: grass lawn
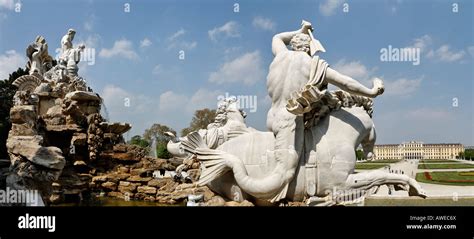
414	201
445	166
447	178
370	166
438	161
386	161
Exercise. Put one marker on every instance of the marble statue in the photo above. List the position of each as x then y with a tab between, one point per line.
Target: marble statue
309	152
229	123
70	56
54	110
39	59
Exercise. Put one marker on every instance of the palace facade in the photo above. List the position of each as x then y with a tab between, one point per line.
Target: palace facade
417	150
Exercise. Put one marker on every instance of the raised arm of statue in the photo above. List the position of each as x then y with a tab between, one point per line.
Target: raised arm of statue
281	40
350	85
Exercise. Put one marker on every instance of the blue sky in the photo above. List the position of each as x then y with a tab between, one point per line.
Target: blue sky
137	56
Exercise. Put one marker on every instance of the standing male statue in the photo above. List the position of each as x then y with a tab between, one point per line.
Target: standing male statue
70	56
66	41
292	71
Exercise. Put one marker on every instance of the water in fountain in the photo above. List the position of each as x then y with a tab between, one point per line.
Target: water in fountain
153	148
103	111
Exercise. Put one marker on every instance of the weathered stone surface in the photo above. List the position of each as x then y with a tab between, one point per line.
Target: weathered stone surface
194	174
54	111
208	194
158	183
123	169
25	129
139	171
49	157
185	186
23	114
56	198
129	156
241	204
116	194
110	186
79	139
216	201
65	128
146	189
45	103
116	177
128	187
99	179
116	128
82	96
149	198
138	179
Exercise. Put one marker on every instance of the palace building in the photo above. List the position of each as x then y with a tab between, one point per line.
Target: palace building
417	150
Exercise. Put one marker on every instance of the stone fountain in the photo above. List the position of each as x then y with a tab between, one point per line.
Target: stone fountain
58	134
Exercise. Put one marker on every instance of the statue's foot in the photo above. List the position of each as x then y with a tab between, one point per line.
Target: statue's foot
415	189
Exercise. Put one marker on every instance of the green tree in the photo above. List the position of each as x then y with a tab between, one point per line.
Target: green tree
158	131
138	140
467	154
359	154
200	120
7	91
162	151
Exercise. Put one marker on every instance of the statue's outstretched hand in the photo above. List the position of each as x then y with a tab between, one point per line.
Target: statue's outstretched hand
378	86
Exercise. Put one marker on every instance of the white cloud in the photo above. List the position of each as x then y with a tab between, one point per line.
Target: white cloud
90	22
92	41
9	62
175	41
402	86
393	9
170	101
354	69
188	45
88	26
424	42
229	29
145	43
124	106
8	4
121	48
329	7
264	23
246	68
203	98
445	54
177	34
157	70
358	71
